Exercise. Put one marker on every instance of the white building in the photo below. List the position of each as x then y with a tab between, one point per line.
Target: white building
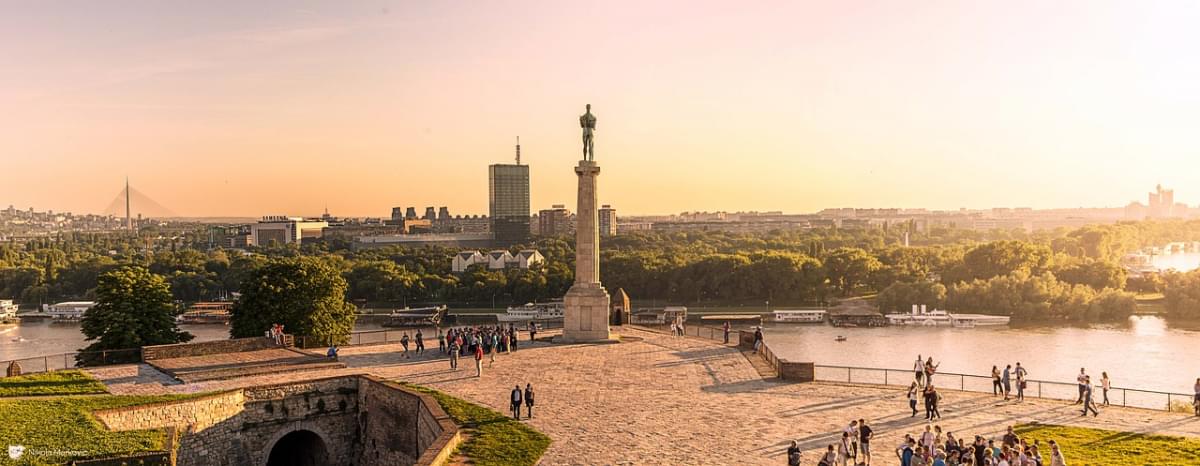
70	310
527	258
285	230
499	259
465	259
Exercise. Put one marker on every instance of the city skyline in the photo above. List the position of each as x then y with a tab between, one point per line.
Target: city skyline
223	111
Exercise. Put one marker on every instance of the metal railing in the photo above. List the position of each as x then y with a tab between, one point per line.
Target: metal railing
63	361
394	335
1043	389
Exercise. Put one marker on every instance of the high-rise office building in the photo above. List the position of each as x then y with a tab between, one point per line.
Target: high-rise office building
508	202
608	220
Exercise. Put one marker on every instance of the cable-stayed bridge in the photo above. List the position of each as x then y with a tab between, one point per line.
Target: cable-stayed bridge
138	204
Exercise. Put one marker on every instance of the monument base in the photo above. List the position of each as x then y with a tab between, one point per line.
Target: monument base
585	319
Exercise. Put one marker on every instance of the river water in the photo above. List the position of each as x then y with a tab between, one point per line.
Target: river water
1144	353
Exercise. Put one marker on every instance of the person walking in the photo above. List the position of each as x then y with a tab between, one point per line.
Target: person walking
1088	404
515	398
726	329
1021	372
529	400
864	441
1006	381
1082	381
913	392
478	361
404	343
1105	384
420	342
996	386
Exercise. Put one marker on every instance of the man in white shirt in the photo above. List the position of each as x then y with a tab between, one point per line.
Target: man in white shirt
852	431
919	371
1082	379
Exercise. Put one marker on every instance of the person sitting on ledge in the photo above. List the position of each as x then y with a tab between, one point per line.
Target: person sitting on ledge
332	353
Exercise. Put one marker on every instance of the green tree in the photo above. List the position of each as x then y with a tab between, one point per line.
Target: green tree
849	267
133	309
306	295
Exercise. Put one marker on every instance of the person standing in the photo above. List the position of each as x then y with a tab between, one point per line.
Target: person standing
512	339
1006	381
864	441
420	342
1021	372
996	386
906	452
1056	455
852	431
515	398
453	354
529	400
830	458
793	454
758	339
441	341
931	403
478	361
1196	399
1105	384
912	398
532	331
844	446
1088	404
493	347
928	438
725	328
930	369
919	371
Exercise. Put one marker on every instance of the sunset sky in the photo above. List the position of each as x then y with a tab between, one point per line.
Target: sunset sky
284	107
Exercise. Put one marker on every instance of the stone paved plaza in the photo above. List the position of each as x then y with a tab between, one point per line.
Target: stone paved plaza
678	400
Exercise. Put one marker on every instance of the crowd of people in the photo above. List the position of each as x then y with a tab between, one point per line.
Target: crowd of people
478	341
933	447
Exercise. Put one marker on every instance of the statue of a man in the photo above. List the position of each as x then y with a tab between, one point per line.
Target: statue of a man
587	121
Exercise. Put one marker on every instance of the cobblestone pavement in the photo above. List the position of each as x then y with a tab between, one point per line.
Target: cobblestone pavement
683	400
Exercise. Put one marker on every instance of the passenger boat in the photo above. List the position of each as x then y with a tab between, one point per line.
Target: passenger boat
801	316
8	311
206	313
935	318
533	311
416	317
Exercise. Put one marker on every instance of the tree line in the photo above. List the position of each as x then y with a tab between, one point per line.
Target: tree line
1065	274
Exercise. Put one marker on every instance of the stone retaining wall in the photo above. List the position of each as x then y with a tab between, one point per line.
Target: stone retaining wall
181	350
362	420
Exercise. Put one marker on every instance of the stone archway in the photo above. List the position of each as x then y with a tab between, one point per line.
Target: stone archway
299	448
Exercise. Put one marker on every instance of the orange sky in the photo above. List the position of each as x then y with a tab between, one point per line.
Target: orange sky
225	108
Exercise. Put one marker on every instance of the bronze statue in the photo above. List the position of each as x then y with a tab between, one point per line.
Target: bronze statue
587	121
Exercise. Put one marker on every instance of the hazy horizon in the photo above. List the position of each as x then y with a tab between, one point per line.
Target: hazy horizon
243	110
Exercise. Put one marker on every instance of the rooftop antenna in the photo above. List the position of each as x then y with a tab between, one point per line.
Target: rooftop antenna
128	218
518	150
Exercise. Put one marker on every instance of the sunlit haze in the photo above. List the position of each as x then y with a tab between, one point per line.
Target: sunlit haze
257	108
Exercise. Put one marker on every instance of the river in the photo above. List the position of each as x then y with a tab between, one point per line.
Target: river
1145	353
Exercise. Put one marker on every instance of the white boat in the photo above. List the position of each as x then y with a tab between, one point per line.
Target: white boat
936	318
8	310
416	317
800	316
533	311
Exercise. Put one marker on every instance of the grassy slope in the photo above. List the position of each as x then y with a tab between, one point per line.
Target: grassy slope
1096	447
66	424
495	439
70	382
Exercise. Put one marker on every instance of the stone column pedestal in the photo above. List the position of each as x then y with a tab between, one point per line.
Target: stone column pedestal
586	316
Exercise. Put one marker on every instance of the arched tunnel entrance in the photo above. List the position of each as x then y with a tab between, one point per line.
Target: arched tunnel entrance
299	448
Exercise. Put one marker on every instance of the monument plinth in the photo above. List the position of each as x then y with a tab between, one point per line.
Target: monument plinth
586	315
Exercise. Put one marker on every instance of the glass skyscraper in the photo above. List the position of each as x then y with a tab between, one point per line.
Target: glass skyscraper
508	202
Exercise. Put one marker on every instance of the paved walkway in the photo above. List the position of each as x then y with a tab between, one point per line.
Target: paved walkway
680	400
